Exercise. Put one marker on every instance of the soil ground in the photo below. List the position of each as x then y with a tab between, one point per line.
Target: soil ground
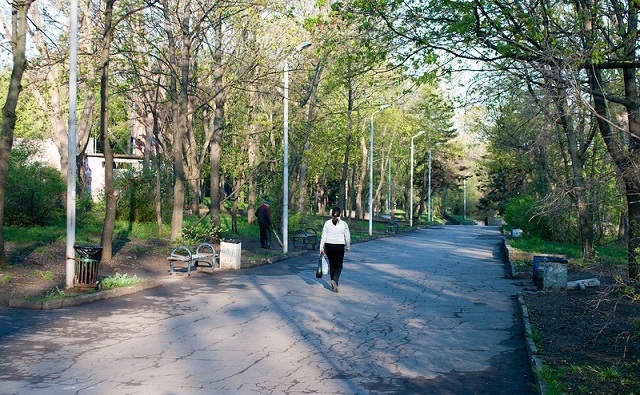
590	337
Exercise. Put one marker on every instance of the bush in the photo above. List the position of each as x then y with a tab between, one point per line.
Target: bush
137	196
35	192
521	213
205	232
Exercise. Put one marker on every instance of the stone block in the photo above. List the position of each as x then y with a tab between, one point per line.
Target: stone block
555	278
230	255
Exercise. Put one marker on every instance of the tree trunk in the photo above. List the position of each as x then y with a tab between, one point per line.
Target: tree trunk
179	132
18	48
585	224
215	150
303	188
626	164
252	153
347	150
109	190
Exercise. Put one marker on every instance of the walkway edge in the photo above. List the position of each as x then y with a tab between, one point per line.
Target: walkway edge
532	349
81	299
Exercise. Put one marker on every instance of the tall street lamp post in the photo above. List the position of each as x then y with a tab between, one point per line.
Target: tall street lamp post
71	144
285	171
429	215
411	181
382	107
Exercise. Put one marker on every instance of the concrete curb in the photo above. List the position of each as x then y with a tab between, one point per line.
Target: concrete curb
81	299
532	350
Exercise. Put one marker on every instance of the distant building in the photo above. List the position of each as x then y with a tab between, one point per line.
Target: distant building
93	166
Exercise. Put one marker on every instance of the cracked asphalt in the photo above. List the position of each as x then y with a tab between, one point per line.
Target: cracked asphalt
428	312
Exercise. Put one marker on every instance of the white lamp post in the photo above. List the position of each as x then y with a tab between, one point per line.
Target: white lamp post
71	146
430	216
382	107
411	181
285	199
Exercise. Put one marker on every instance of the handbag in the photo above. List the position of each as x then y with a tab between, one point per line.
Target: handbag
325	265
319	268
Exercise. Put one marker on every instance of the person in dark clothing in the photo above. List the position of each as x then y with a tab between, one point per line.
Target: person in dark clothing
264	221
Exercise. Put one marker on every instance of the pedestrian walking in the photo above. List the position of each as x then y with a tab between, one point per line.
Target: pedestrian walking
264	222
335	240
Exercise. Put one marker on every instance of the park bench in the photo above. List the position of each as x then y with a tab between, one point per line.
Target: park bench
182	258
305	238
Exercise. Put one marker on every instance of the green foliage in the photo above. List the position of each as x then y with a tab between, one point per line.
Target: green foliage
203	232
47	274
53	294
4	279
535	335
521	264
119	280
304	221
553	379
32	122
520	212
136	202
35	192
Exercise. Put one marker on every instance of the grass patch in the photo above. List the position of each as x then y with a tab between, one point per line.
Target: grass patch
521	265
552	378
609	254
52	294
46	274
535	336
119	280
4	279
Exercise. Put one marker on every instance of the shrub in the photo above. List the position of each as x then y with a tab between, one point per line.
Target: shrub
137	196
521	212
35	192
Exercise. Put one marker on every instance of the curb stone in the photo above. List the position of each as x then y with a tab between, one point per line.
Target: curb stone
81	299
532	350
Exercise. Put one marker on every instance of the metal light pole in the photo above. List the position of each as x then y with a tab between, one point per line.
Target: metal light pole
382	107
389	190
411	181
71	149
430	215
285	171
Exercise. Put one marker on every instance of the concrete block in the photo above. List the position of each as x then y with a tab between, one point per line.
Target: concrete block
230	255
555	278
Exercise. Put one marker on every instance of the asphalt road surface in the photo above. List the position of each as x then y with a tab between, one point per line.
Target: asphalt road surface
429	312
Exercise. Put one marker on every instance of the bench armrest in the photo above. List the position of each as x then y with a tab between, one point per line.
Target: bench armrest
206	248
181	252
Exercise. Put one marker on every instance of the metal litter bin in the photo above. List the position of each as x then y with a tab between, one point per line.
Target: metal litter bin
87	262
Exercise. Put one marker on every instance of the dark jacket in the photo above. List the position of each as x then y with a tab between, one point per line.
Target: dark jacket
264	216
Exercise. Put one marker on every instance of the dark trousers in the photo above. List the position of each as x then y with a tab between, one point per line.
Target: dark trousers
265	237
335	255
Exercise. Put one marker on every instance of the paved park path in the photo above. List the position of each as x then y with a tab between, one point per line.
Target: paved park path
429	312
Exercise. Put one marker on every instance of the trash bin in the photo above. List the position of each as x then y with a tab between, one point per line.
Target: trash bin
87	261
230	254
539	263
